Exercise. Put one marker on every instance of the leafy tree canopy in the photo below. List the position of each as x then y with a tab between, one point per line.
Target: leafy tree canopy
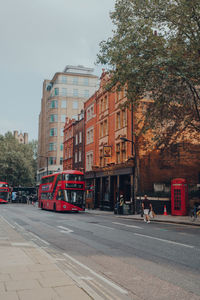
155	51
17	162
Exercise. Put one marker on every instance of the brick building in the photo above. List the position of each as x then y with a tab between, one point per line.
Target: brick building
68	149
110	162
79	154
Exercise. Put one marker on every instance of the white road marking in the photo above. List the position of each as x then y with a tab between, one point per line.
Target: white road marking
104	226
37	237
162	240
22	228
65	229
8	222
132	226
112	284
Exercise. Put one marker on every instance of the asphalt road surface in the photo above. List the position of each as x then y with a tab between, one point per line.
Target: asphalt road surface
115	258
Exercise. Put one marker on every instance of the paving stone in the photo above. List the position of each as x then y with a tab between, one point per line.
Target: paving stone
2	287
40	294
17	285
26	275
9	296
4	277
52	274
43	267
55	282
72	293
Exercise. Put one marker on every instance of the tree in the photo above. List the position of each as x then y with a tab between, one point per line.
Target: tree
17	162
155	50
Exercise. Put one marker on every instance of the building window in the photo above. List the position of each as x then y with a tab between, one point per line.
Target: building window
61	132
54	104
52	146
53	132
75	105
105	128
53	118
69	153
64	92
90	135
101	105
80	155
61	160
56	91
75	92
75	80
90	112
105	103
61	147
86	81
80	137
52	160
89	161
76	157
86	93
101	157
101	130
64	79
124	120
123	151
63	118
63	104
118	121
76	139
118	153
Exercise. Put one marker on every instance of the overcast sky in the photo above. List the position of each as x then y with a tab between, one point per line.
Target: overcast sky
38	39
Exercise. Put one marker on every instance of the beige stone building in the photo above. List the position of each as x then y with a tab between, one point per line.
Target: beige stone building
22	138
62	97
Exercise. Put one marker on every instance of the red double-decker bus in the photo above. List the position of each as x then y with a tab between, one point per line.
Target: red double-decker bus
4	192
64	191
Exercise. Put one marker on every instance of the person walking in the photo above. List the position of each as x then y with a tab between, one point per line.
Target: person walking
147	207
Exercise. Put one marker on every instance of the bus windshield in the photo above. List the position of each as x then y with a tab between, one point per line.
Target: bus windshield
73	197
3	185
4	195
73	177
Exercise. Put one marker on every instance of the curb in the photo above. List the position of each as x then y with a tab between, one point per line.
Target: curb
165	221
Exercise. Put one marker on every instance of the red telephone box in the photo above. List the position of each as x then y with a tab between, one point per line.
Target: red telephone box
179	197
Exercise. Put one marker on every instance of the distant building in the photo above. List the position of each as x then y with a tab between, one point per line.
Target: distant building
22	138
73	152
63	97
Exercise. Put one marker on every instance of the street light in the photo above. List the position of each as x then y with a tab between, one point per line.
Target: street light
135	172
47	161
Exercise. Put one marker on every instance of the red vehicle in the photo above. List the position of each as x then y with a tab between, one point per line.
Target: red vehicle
64	191
4	192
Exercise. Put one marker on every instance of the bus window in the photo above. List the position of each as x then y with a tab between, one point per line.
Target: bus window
60	195
73	177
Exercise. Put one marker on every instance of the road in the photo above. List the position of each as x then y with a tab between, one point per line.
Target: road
116	258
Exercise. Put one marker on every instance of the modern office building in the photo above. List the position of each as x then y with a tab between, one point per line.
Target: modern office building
63	97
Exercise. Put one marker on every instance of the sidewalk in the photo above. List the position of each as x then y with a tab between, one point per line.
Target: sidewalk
27	272
158	218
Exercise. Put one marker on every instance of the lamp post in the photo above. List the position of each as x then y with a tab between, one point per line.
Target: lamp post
47	161
135	172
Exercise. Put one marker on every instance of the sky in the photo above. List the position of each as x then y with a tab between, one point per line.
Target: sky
38	39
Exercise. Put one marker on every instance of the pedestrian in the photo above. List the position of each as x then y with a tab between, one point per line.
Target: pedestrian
14	196
147	207
121	203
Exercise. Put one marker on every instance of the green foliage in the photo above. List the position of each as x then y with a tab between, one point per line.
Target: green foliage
155	50
17	162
